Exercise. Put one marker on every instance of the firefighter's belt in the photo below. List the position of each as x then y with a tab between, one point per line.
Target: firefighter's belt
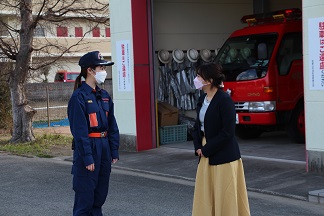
98	134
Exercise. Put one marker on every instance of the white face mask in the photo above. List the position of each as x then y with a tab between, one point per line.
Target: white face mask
100	76
198	84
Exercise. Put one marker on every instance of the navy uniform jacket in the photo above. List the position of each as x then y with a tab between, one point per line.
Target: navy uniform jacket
219	125
92	111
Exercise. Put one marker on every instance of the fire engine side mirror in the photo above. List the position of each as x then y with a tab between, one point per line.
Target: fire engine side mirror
262	51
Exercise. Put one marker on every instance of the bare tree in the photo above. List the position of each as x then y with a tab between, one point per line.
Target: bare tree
5	105
19	44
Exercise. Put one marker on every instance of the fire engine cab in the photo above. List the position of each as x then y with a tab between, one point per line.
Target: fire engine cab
264	74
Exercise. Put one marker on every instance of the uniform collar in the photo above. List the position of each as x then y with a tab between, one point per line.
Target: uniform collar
88	89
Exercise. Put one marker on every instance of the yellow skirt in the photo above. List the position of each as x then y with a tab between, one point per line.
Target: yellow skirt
220	190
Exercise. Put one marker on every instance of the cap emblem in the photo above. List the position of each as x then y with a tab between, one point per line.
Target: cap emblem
100	56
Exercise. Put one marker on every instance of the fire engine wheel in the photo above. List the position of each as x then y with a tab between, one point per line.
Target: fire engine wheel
246	132
296	126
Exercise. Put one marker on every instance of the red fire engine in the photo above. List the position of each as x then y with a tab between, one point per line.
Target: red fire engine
264	74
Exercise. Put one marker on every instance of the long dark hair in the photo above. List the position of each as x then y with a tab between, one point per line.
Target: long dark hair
84	72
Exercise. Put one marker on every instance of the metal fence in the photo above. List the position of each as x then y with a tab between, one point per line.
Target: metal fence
50	100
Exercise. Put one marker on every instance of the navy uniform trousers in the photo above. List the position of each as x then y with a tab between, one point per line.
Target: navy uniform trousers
91	188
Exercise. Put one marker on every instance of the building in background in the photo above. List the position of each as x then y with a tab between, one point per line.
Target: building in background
151	25
95	36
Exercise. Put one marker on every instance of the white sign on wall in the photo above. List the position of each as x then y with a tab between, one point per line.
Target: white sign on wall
123	66
316	53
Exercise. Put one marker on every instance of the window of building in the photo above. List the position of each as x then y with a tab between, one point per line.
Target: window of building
39	31
96	32
107	32
62	31
78	32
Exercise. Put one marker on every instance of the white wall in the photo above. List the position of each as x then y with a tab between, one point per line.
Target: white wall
314	99
121	29
198	24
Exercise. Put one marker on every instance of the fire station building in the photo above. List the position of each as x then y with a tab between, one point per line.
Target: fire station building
140	28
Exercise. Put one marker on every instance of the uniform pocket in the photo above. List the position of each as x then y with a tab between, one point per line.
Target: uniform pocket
92	110
79	171
78	168
93	120
105	105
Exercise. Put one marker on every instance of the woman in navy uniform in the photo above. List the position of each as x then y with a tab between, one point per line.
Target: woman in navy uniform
95	134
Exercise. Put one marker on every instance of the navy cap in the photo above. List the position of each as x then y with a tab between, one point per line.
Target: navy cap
93	59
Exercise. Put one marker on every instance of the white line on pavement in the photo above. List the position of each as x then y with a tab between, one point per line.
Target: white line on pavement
274	160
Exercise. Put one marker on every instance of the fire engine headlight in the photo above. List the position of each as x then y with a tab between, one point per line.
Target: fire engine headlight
262	106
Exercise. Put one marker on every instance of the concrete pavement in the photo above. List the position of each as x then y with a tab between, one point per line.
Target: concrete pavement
272	165
42	187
